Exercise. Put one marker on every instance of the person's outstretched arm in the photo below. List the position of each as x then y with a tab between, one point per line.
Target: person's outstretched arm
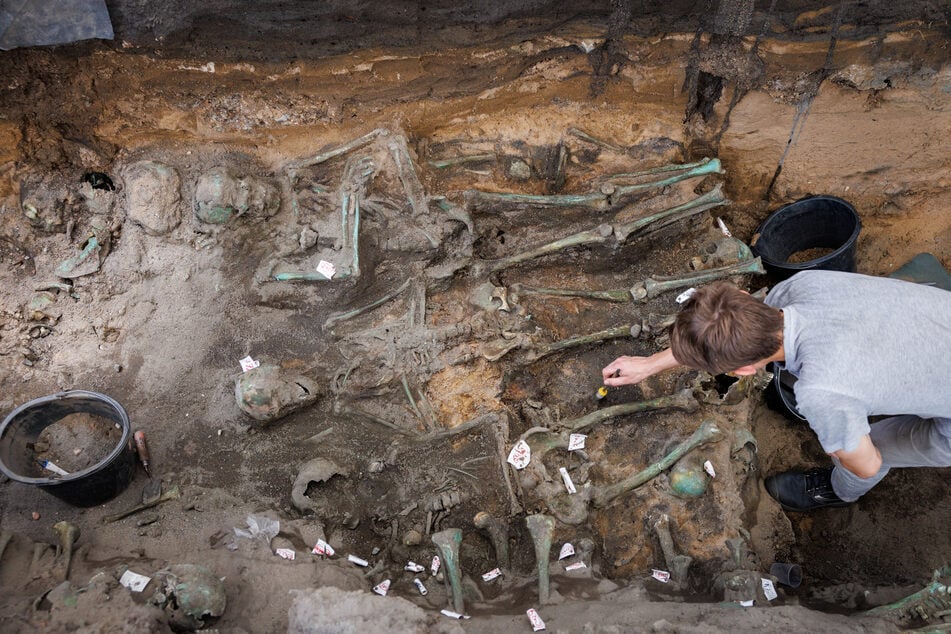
636	369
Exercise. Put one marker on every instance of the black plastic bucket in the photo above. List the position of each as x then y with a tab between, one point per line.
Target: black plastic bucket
780	395
823	222
88	487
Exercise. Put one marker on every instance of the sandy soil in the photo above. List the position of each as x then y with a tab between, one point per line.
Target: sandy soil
411	403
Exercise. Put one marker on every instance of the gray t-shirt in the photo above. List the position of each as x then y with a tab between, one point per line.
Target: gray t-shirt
863	346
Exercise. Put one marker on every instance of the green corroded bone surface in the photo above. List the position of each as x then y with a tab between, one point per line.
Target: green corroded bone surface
603	335
595	200
682	400
541	527
707	432
713	198
447	542
653	286
598	235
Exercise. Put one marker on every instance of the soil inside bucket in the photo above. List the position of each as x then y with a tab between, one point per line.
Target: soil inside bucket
75	442
808	255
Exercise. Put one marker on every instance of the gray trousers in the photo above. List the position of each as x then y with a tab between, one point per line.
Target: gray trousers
904	441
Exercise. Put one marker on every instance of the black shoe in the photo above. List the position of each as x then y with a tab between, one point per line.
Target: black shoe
804	491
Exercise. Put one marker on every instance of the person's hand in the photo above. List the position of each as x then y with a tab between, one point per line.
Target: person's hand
627	371
631	370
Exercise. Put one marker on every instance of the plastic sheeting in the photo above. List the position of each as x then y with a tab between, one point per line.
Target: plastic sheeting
44	22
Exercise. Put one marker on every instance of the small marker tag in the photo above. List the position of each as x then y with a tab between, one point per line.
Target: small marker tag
566	551
434	568
327	269
687	294
356	560
520	455
536	621
454	615
568	483
323	548
248	363
134	581
723	228
412	566
661	575
578	565
708	467
419	586
285	553
747	604
382	588
769	590
495	573
576	442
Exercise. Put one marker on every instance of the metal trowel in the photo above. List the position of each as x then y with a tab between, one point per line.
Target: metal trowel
152	490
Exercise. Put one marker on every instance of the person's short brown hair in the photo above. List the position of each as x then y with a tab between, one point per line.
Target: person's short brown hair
721	328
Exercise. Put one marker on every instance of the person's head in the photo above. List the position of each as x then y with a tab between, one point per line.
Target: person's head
722	329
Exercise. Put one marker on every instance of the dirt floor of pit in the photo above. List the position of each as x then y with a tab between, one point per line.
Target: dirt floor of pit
843	101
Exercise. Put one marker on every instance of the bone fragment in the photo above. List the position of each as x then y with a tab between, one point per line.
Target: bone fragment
461	160
707	432
541	527
604	199
342	149
713	198
538	352
39	549
581	134
409	178
447	541
68	534
344	408
333	319
652	287
498	533
598	235
620	296
678	565
682	400
171	494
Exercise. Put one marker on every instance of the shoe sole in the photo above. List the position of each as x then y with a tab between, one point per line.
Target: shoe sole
773	493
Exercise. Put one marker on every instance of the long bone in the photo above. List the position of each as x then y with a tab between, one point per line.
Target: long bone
342	149
678	565
406	171
539	352
333	319
707	432
682	400
653	286
713	198
498	533
68	534
609	195
541	527
447	541
598	235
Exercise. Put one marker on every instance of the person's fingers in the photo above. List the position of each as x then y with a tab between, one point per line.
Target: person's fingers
608	370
